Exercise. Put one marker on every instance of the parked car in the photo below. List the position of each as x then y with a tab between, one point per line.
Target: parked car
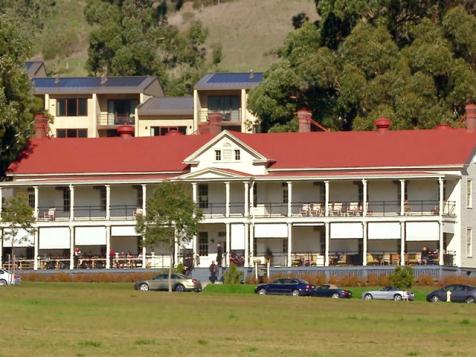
180	283
389	293
7	278
459	293
332	291
295	287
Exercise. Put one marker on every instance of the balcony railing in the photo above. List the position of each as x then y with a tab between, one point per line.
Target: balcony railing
228	115
124	212
112	119
269	209
216	210
89	213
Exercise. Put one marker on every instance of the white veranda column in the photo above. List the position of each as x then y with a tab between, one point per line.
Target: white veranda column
144	198
247	248
144	254
1	202
326	253
35	213
402	243
364	244
252	246
228	246
35	254
108	202
326	185
108	247
364	198
71	247
290	198
402	197
440	250
227	199
290	242
71	202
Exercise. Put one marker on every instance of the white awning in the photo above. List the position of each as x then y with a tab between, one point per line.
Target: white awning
346	230
384	230
422	231
237	236
278	230
123	231
54	238
21	239
449	227
90	236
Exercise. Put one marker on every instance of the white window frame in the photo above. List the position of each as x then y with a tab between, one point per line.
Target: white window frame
469	242
469	193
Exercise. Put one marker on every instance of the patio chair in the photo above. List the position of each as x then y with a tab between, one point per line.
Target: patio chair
395	259
354	209
386	259
316	209
414	258
371	260
337	209
50	214
305	209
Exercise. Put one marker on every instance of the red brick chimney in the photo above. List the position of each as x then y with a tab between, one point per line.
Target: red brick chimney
382	124
304	118
41	126
125	131
215	123
471	116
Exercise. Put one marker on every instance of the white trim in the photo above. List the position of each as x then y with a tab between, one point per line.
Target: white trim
353	168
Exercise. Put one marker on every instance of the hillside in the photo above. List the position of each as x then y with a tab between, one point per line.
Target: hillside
247	30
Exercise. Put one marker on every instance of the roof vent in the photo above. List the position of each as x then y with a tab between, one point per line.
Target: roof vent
252	74
382	124
470	116
125	131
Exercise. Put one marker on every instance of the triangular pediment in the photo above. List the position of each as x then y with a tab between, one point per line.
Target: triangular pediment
212	173
225	137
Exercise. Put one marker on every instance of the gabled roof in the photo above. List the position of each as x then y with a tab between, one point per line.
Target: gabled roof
217	81
292	152
89	85
167	106
35	68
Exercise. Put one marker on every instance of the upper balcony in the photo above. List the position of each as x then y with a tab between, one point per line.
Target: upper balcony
115	119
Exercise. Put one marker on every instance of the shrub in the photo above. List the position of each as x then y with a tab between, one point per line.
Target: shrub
233	276
425	279
180	268
402	277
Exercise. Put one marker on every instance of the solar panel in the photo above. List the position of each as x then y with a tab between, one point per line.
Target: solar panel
86	82
236	78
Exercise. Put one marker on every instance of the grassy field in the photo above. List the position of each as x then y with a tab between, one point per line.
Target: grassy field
52	319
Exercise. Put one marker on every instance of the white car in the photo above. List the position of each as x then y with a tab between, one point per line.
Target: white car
389	293
7	278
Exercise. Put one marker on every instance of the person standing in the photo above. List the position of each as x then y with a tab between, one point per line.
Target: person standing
213	272
76	255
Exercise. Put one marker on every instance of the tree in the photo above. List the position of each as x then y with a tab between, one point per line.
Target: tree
402	277
171	215
17	104
18	217
133	37
413	61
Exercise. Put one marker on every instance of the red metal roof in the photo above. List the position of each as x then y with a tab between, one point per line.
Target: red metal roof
356	149
114	155
314	150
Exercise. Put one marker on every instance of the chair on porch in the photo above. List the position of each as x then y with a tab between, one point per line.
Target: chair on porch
50	214
305	209
316	209
371	260
337	209
354	209
395	259
413	259
386	259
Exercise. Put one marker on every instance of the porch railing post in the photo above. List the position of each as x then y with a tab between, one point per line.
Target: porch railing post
326	253
326	185
290	243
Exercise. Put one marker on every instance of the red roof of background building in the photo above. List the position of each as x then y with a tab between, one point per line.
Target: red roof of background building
314	150
355	149
99	155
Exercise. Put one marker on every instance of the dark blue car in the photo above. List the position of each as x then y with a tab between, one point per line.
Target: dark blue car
295	287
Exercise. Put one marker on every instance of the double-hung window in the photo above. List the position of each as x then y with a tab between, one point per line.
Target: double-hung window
469	242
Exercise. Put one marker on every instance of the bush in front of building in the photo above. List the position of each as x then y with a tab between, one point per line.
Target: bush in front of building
233	276
87	277
402	277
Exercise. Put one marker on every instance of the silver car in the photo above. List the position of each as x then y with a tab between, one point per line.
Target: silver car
389	293
161	282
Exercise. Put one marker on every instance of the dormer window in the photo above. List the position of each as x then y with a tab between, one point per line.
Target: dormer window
237	155
218	155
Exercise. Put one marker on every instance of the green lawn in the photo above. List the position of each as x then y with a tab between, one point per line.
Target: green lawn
87	319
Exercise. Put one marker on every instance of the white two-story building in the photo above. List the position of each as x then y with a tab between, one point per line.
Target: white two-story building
310	198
